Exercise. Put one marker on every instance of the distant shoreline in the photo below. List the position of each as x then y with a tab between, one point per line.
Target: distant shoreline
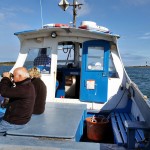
137	66
7	63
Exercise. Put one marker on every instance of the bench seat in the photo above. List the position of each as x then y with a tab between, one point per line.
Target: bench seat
120	131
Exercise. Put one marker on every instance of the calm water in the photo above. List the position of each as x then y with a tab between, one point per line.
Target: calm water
141	76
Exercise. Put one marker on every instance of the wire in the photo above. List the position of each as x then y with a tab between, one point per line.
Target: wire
119	100
110	111
41	12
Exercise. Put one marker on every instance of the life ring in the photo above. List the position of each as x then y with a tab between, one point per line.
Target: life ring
57	25
60	25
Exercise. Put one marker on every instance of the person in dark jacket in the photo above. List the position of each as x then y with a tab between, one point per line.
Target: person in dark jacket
40	90
21	99
43	58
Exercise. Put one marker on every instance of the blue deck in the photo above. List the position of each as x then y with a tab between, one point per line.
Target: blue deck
65	121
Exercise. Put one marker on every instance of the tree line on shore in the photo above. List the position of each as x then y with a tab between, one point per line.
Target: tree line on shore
7	63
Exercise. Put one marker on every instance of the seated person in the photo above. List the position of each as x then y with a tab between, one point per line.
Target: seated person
21	99
42	59
40	90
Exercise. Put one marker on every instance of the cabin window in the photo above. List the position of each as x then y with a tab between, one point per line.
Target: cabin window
65	55
69	54
95	58
112	70
40	58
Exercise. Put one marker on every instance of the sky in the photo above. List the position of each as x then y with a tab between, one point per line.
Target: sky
128	18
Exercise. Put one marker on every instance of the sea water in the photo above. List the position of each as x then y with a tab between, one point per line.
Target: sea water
139	75
4	69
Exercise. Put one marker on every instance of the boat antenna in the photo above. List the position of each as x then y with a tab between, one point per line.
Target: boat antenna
41	12
64	4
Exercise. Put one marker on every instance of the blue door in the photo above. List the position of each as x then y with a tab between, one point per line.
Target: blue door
94	71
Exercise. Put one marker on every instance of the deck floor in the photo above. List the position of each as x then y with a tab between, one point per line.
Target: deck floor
58	121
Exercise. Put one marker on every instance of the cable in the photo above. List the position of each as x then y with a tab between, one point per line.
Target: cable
119	100
116	104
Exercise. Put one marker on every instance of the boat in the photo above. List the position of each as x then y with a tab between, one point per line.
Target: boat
95	104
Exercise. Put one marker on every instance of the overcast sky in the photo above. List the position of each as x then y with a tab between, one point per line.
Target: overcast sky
128	18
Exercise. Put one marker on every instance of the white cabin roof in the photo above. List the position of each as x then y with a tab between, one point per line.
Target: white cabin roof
66	31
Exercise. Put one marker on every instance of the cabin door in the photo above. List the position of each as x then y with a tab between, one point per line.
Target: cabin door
94	71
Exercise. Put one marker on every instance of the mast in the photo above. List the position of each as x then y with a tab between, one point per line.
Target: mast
64	4
74	13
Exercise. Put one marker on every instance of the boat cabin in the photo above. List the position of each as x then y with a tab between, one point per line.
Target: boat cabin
84	64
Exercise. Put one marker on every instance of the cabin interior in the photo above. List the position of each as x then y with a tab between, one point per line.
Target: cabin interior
97	63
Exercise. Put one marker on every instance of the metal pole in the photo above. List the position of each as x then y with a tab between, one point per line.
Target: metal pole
64	5
74	13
